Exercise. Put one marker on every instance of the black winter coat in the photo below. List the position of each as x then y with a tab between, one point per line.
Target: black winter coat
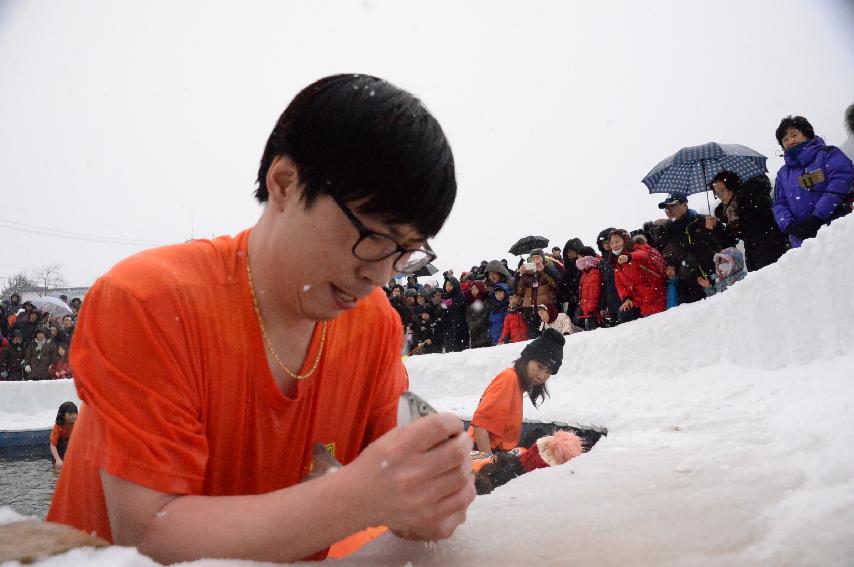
750	218
690	244
456	329
421	333
477	318
12	362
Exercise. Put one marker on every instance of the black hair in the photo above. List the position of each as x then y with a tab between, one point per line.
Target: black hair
360	137
798	123
505	468
849	119
730	179
64	408
537	394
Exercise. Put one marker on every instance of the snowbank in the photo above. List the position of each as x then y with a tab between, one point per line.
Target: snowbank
729	436
33	405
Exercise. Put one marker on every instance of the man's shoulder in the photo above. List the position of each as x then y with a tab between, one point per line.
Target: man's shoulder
178	266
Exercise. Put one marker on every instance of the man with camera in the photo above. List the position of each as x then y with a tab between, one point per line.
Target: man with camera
536	286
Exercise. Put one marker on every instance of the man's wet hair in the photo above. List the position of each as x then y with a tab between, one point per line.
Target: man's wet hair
359	137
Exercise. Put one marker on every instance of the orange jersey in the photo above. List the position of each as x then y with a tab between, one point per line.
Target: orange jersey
61	432
178	396
500	411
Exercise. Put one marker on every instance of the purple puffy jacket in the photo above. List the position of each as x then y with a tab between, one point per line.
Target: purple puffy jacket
826	200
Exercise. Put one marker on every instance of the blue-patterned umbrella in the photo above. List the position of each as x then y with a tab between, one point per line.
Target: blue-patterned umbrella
689	170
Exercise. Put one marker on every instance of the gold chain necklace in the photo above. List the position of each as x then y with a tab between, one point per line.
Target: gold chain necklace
267	339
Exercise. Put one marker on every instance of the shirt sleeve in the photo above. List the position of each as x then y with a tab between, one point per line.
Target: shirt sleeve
493	411
54	435
137	381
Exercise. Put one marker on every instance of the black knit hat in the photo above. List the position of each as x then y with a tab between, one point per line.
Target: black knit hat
546	349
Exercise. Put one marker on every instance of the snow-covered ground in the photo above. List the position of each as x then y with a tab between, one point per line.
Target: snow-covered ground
730	436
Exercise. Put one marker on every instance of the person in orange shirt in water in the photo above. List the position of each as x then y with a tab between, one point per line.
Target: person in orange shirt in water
497	421
66	417
199	421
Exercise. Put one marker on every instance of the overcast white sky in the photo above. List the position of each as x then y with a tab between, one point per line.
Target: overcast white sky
145	120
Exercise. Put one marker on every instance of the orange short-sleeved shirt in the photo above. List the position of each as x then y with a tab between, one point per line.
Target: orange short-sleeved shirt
178	396
500	411
60	432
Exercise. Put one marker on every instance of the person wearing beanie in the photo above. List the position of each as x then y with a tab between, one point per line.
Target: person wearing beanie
497	422
813	187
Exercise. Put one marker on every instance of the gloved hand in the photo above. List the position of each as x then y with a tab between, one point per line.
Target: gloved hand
4	374
27	369
807	228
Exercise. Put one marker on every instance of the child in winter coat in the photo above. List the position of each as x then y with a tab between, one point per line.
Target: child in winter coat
60	369
672	286
729	268
589	291
500	301
551	318
515	328
497	422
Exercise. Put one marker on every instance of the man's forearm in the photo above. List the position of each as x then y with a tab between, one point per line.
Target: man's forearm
481	439
280	526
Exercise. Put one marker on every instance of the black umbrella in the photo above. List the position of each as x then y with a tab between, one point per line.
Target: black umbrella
427	270
525	245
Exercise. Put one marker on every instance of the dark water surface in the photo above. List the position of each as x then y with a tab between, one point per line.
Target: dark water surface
27	485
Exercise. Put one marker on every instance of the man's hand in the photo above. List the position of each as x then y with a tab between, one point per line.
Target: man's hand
58	465
704	282
418	479
627	304
622	258
807	228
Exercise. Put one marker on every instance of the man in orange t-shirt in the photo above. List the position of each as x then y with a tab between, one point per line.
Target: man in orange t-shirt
235	356
497	422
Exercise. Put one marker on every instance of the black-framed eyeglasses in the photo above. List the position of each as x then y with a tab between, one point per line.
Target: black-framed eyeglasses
374	247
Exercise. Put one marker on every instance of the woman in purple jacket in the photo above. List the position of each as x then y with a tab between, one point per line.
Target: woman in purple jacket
814	186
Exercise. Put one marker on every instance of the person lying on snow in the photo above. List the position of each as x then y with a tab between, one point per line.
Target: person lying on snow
497	422
548	451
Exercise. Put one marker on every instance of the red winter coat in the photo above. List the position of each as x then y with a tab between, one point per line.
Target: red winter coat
514	327
590	288
637	280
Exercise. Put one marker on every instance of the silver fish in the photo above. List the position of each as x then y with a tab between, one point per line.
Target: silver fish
409	408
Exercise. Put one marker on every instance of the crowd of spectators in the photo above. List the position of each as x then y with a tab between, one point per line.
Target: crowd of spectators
629	275
34	345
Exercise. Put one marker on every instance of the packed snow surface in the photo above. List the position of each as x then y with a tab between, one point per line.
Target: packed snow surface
730	425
